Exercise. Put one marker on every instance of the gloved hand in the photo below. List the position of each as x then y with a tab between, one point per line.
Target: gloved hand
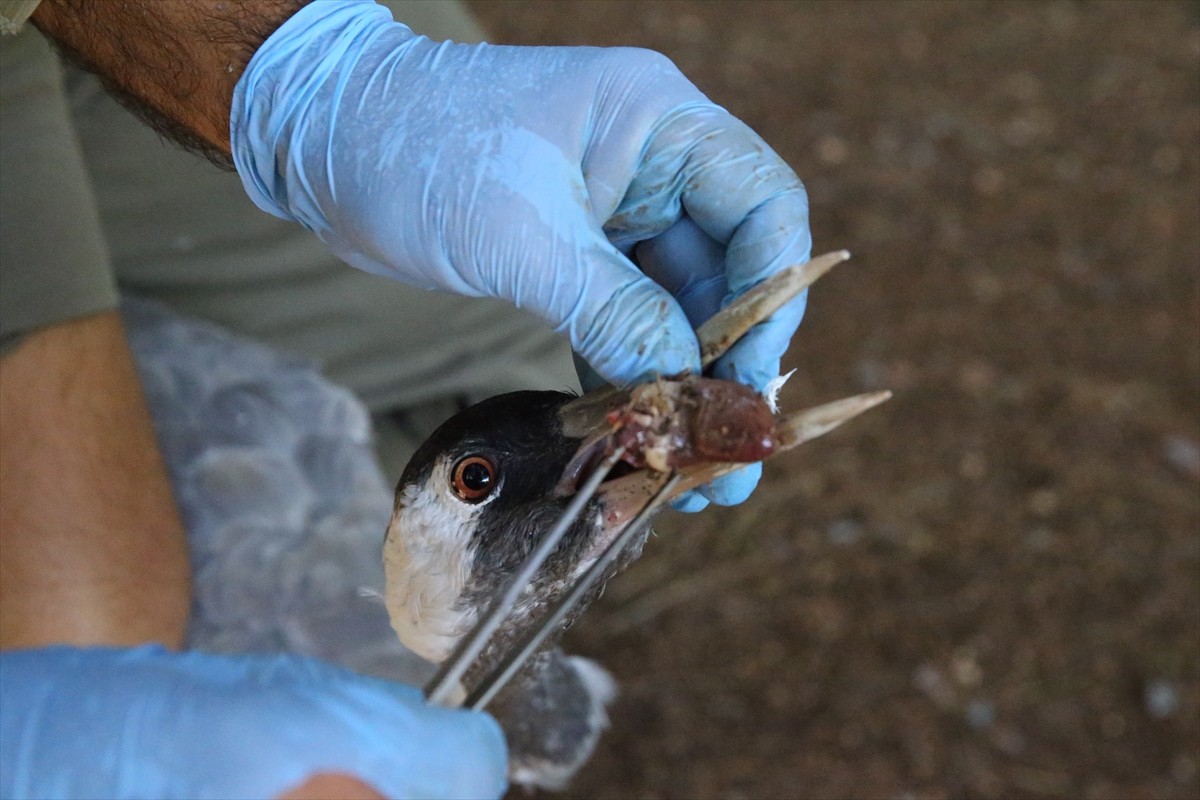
536	174
148	723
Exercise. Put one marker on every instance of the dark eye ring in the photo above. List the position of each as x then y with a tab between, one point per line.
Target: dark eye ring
473	478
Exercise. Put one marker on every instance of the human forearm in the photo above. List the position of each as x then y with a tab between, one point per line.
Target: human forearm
175	62
91	547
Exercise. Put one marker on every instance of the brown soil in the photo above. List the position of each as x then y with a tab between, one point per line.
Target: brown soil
990	587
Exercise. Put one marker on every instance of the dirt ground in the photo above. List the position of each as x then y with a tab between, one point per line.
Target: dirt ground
990	587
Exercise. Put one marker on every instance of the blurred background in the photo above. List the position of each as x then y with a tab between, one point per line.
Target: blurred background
989	587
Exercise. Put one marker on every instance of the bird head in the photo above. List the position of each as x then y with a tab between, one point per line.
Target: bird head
472	504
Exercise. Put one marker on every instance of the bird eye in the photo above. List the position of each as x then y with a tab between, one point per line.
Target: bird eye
474	478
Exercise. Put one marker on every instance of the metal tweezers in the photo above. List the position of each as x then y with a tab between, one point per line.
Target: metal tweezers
716	336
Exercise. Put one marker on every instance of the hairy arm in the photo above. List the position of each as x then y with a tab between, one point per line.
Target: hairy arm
173	63
93	550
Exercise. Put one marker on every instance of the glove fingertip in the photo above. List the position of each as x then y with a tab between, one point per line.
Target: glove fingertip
492	776
491	735
753	372
457	753
735	488
690	503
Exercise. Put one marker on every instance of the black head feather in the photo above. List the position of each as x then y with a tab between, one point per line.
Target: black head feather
520	433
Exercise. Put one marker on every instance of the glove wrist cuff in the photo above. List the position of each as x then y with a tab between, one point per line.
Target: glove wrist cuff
286	76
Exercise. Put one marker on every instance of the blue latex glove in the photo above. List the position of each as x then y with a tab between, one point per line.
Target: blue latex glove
536	174
148	723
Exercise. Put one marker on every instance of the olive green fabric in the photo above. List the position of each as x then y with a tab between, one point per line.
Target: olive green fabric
54	264
14	14
169	225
